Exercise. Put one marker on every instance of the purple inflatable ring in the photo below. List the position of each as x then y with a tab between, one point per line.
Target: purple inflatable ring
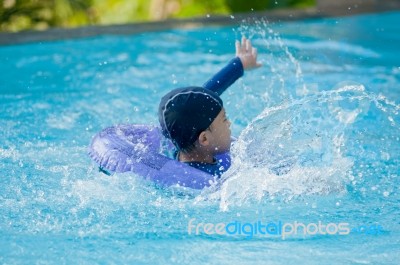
138	149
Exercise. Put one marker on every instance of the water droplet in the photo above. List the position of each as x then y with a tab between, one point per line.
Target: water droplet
385	156
232	17
391	121
174	81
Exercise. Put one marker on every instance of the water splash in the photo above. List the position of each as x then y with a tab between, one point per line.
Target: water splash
299	148
283	61
280	72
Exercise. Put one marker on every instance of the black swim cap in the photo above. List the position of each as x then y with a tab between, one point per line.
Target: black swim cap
185	112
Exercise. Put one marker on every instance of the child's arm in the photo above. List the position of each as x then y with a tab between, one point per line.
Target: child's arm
225	77
246	58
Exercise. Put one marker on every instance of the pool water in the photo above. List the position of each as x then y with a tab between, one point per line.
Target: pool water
326	100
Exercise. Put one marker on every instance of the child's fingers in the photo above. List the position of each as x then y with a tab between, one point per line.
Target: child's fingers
237	44
254	52
244	44
248	46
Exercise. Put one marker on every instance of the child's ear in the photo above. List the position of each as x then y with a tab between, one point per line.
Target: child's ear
203	140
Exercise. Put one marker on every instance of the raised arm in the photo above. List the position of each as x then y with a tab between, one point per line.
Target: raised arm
246	59
225	77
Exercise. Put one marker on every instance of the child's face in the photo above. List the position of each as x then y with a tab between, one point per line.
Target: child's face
220	134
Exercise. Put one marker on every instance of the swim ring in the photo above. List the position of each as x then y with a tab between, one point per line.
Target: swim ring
139	149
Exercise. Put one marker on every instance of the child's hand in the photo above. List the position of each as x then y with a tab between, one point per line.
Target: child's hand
247	54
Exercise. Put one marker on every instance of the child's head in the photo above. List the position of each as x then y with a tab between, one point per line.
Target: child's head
194	117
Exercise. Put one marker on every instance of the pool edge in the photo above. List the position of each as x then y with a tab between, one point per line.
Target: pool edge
55	34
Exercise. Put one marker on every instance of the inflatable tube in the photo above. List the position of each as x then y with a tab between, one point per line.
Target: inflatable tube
139	148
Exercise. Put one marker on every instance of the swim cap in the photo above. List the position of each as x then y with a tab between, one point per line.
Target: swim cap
185	112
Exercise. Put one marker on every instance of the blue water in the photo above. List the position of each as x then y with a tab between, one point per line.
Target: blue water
327	98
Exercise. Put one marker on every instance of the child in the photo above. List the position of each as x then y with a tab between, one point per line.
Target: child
194	117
